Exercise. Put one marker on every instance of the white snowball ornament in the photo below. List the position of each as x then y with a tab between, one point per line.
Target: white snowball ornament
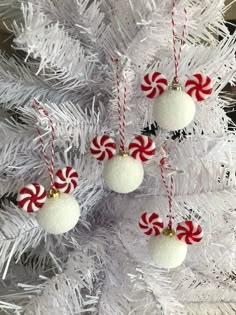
174	109
123	173
166	250
59	214
58	211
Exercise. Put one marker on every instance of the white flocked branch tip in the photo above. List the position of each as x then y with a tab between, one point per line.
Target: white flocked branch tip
139	31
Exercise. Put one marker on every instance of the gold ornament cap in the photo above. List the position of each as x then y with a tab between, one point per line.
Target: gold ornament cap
176	86
53	193
168	232
124	153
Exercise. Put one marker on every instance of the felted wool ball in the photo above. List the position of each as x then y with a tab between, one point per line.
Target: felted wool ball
167	251
174	110
59	214
123	174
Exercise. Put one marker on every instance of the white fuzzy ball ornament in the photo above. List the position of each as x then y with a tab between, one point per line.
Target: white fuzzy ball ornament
174	109
123	173
166	250
59	214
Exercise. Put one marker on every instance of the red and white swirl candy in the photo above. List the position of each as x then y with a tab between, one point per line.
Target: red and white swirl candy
142	148
189	232
151	223
199	87
154	84
103	148
32	197
66	180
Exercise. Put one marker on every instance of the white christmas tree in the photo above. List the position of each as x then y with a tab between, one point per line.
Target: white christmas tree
102	266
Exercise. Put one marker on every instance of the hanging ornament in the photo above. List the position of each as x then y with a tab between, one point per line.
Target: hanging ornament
168	247
174	109
123	171
59	214
57	211
166	250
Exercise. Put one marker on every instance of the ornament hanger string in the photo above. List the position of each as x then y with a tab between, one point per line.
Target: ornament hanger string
50	165
121	108
177	55
169	189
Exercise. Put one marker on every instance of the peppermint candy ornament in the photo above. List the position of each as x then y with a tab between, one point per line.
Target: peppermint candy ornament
123	172
59	211
175	108
103	148
189	232
66	180
154	84
199	87
142	148
168	247
164	248
151	223
32	197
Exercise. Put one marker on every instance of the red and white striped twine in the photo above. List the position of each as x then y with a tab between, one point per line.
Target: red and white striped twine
164	165
177	55
50	165
121	109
